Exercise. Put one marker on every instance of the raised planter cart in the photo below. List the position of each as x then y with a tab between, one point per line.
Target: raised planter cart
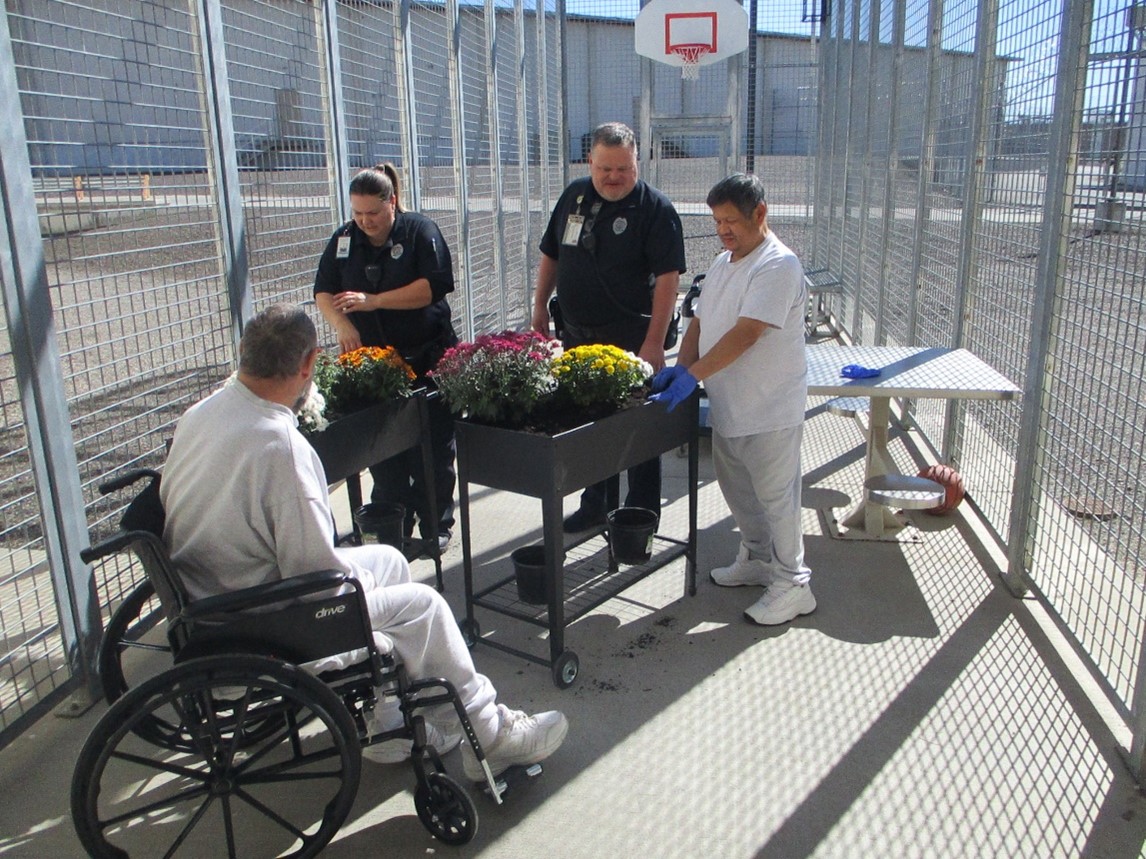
549	467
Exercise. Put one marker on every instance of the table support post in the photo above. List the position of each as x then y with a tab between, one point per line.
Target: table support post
875	520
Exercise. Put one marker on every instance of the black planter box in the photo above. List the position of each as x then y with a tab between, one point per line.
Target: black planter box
535	464
549	467
351	444
355	442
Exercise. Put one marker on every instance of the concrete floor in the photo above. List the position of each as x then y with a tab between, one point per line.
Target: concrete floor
920	711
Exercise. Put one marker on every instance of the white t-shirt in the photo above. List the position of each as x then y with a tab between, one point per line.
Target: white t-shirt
245	496
765	389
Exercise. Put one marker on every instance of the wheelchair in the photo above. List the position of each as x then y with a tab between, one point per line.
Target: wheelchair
237	749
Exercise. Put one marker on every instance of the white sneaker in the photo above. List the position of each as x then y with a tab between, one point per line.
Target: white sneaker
521	740
398	751
780	603
742	572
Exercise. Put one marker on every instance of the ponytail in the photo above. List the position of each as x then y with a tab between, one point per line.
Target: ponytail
391	172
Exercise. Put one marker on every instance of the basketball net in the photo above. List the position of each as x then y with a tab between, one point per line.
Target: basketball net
691	55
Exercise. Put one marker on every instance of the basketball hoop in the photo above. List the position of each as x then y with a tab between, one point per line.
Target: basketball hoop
691	33
690	55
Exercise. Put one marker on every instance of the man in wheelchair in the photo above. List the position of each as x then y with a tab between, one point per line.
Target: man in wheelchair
247	503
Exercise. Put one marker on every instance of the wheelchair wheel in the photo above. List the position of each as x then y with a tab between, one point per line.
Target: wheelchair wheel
123	651
130	623
225	790
446	810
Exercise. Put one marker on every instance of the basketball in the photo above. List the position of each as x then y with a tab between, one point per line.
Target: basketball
952	483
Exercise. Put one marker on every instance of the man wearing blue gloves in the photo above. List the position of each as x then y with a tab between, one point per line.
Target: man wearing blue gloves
746	343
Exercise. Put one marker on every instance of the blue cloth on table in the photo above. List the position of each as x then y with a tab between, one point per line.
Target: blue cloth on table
855	371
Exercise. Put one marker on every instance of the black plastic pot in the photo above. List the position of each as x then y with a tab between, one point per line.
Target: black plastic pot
631	531
382	519
529	573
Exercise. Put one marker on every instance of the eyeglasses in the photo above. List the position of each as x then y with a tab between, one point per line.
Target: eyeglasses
373	274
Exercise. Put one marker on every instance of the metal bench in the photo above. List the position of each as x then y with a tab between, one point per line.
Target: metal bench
903	491
848	407
820	282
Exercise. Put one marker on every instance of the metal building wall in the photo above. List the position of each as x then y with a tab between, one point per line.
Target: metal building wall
1004	220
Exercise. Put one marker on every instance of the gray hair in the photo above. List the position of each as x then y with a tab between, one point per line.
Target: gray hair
613	134
276	341
745	191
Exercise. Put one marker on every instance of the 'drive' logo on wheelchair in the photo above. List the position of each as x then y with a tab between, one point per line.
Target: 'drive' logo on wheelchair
329	611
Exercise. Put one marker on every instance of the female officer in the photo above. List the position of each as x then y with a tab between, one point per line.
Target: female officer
383	281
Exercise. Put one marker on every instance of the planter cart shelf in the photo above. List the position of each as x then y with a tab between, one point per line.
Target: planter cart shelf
580	578
351	444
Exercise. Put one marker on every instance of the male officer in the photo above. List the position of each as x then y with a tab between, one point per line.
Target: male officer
614	252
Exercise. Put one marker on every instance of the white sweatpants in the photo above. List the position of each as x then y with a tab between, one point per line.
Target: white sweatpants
426	637
759	476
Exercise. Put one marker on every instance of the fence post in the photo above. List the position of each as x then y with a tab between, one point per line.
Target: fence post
898	27
32	334
829	139
1062	163
873	24
493	107
223	157
407	103
562	104
338	161
975	159
460	161
926	154
523	129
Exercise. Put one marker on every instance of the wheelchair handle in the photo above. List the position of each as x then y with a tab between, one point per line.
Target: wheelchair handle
108	547
126	479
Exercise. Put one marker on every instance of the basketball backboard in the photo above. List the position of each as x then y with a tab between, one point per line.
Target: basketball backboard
691	33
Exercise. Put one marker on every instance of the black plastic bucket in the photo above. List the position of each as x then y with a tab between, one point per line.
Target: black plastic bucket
529	572
384	520
631	531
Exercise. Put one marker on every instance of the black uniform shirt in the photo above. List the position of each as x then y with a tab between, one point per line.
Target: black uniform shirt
635	240
414	249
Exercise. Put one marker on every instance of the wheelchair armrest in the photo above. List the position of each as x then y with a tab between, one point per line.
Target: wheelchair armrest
283	590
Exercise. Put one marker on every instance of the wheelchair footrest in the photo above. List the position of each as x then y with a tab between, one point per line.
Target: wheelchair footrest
512	777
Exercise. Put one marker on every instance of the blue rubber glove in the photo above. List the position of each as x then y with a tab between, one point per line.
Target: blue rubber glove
855	371
683	384
665	377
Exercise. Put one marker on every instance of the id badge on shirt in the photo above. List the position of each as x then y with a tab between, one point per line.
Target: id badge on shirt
573	230
342	250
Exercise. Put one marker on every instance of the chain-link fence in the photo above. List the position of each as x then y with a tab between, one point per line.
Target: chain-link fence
168	167
171	166
981	185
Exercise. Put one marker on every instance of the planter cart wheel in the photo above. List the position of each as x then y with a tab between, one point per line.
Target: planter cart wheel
446	810
565	669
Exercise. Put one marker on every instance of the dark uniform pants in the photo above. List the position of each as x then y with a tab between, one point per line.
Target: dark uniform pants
399	478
